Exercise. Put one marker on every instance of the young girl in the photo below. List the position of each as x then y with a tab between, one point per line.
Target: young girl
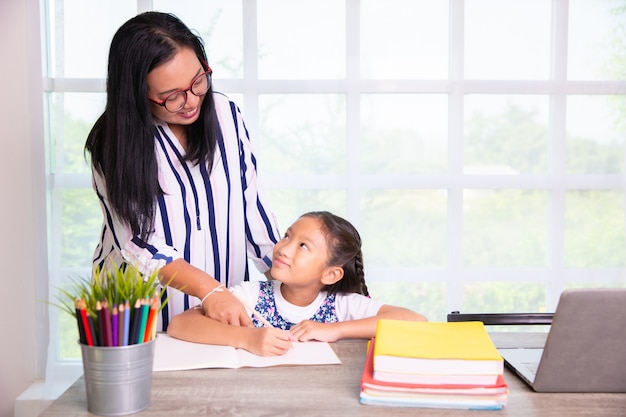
318	293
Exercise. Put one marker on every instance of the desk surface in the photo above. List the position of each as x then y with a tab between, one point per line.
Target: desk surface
329	390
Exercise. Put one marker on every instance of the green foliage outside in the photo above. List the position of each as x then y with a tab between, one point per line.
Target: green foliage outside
407	227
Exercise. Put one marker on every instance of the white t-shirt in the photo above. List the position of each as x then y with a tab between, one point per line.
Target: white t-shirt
348	306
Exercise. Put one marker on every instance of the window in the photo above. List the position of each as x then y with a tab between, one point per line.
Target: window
478	145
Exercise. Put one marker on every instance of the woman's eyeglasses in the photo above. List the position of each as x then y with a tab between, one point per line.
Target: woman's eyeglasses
177	100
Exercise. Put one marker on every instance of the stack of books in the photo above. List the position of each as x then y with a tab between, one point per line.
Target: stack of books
433	365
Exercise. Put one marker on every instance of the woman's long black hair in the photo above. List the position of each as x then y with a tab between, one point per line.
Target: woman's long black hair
121	142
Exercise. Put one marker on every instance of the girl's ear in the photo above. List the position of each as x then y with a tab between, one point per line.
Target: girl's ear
331	275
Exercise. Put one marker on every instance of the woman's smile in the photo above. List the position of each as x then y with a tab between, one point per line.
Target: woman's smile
190	114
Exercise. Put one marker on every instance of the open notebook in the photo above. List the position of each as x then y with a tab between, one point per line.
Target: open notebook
585	350
174	355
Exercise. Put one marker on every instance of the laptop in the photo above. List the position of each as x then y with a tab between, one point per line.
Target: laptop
585	349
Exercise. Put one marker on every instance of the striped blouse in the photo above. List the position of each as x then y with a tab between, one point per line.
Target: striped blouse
213	221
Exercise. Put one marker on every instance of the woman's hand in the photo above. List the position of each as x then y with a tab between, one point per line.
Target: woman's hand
223	306
219	304
310	330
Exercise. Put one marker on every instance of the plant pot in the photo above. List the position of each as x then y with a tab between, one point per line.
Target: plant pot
118	379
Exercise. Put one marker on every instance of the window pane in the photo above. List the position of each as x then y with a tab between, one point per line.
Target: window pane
504	228
294	140
300	39
220	25
597	40
78	112
67	333
82	33
404	133
595	134
506	134
404	227
80	224
594	229
288	205
504	297
427	298
507	39
404	39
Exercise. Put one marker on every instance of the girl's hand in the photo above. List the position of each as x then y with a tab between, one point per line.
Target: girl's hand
223	306
268	341
310	330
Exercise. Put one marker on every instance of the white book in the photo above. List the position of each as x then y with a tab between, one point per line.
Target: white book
172	354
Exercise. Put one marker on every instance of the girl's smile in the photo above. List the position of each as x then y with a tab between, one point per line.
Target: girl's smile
279	263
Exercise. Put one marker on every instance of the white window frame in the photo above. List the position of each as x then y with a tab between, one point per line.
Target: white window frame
455	274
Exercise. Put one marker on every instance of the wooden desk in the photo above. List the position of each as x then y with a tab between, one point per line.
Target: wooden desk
329	390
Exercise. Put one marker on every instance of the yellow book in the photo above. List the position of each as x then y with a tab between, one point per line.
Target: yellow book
435	353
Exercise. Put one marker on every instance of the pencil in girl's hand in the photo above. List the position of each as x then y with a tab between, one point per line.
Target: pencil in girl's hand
258	315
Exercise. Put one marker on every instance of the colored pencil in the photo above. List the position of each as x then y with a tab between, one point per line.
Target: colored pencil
86	324
114	326
92	329
144	319
155	314
106	317
126	323
100	318
135	319
81	324
154	303
120	320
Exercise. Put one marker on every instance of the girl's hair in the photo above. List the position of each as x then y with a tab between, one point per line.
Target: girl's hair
121	143
344	247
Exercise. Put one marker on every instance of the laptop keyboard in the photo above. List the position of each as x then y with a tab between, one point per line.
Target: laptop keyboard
531	366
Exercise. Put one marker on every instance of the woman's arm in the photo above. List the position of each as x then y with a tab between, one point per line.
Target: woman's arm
361	328
193	326
222	306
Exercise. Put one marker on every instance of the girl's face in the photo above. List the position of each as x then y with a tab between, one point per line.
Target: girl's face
301	257
177	74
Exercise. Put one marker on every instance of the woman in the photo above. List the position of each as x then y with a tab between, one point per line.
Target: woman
174	172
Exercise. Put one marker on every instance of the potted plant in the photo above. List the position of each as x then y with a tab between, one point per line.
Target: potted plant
116	307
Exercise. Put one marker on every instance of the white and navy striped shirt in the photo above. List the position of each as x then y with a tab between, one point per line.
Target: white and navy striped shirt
215	222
